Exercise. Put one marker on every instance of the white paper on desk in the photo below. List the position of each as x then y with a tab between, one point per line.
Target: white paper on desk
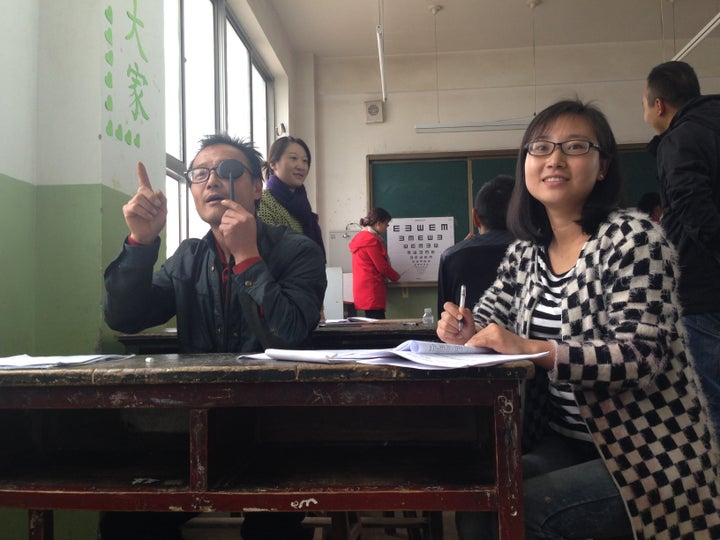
350	320
399	362
463	360
422	354
321	356
413	346
434	347
25	361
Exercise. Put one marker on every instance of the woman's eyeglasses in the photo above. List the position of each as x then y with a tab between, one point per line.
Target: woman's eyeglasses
574	147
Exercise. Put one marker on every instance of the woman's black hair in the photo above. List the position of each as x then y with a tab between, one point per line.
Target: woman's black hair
277	149
376	215
527	218
648	202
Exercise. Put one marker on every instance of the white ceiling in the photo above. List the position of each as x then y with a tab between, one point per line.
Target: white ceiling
341	28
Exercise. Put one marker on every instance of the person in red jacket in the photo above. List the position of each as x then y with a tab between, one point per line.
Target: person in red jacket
370	264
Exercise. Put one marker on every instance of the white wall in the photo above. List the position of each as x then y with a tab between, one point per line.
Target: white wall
18	93
473	86
70	145
322	100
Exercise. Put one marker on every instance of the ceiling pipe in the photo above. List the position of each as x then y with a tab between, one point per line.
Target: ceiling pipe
694	42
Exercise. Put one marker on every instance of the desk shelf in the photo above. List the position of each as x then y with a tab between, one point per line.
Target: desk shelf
358	468
250	435
94	456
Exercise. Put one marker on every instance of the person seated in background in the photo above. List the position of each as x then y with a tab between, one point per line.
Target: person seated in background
285	200
244	287
649	204
371	265
473	262
616	430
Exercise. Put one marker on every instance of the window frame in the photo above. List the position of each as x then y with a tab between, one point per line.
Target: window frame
177	165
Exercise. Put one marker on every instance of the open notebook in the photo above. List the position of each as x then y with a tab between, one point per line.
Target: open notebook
411	353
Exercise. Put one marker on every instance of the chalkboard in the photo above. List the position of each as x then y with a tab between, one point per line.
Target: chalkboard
423	188
436	185
640	171
487	168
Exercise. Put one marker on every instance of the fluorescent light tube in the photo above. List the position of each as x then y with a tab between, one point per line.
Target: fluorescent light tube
454	127
381	58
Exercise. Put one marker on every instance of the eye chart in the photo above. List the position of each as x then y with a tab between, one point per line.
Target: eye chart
415	245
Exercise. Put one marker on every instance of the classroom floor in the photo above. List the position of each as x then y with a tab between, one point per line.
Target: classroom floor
192	532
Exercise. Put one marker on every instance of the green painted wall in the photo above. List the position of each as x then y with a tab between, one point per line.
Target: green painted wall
17	267
114	231
57	242
69	525
68	275
411	306
79	231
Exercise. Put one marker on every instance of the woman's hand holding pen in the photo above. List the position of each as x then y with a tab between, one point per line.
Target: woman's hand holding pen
491	336
448	329
502	341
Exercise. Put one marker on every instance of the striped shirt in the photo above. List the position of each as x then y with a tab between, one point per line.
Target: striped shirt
545	323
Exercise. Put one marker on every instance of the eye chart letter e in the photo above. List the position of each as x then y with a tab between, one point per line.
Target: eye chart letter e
415	246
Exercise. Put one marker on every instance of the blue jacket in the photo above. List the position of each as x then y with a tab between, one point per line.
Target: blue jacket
275	302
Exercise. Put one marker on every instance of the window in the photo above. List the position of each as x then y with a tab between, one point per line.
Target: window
220	86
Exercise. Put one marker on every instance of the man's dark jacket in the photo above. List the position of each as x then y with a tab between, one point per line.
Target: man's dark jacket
473	263
688	161
275	302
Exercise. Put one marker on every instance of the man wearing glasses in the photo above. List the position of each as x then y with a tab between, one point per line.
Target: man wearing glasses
244	287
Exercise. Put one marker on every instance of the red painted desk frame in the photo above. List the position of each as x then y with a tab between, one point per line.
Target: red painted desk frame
202	384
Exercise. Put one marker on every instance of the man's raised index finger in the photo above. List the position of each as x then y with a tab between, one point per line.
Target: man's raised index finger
143	178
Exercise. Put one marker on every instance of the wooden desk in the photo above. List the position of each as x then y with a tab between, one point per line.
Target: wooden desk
380	334
279	436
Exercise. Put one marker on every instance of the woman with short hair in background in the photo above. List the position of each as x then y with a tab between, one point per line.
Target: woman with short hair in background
284	200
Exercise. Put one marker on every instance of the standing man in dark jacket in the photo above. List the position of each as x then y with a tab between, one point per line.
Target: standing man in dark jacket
245	286
474	261
687	147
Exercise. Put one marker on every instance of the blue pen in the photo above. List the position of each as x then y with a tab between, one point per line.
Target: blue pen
463	295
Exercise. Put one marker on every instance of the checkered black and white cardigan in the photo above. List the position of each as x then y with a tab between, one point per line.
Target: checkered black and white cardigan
623	352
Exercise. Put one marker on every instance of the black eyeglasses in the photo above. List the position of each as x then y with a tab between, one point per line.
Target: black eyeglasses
574	147
226	169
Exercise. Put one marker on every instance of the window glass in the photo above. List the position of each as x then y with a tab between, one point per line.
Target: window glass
238	84
199	73
259	107
191	97
197	228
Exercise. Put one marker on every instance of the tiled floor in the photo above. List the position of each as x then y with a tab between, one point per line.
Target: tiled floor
192	532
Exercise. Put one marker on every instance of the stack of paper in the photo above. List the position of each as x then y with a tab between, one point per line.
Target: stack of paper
350	320
412	353
28	362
